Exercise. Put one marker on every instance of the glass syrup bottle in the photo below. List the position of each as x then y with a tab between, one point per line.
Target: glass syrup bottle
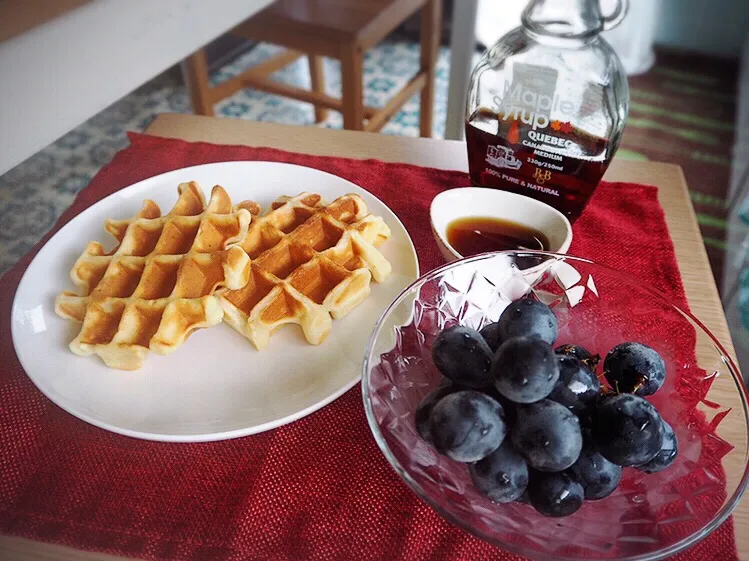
547	105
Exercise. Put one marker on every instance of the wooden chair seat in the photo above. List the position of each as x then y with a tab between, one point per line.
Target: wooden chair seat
322	27
341	29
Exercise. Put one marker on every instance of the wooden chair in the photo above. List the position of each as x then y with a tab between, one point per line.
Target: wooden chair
341	29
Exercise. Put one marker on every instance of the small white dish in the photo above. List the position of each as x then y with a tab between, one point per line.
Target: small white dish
216	386
479	202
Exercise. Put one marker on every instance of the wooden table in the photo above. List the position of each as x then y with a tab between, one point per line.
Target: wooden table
690	250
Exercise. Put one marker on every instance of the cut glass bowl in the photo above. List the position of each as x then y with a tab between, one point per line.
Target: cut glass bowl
649	516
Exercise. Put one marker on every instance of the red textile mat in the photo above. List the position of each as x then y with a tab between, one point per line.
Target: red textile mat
316	489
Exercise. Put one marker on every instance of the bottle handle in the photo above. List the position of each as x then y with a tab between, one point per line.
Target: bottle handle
615	18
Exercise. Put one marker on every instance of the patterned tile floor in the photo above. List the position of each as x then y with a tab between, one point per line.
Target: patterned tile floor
36	192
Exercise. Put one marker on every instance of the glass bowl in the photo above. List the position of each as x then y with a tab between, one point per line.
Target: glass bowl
648	516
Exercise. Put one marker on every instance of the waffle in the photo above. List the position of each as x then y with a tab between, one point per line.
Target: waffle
157	285
309	262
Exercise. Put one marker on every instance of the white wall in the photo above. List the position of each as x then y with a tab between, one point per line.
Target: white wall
710	26
632	39
497	17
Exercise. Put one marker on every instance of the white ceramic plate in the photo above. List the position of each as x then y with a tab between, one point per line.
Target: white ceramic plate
217	385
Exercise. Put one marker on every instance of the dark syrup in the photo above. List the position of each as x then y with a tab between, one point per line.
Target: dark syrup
563	176
474	235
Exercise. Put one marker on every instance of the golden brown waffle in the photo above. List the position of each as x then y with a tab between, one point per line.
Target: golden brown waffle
309	262
157	285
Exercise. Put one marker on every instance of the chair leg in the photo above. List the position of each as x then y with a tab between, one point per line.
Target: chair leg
195	69
431	29
352	78
317	73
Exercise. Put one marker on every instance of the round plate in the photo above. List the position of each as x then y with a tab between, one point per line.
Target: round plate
215	386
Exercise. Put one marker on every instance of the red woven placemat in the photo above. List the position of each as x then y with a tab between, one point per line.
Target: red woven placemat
316	489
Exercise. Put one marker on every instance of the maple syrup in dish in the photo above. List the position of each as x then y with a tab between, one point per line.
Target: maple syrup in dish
475	234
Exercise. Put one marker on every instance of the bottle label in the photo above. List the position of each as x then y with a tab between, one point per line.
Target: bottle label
519	146
531	97
502	157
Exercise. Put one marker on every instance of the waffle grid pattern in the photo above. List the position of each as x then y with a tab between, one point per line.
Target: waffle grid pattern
310	263
157	285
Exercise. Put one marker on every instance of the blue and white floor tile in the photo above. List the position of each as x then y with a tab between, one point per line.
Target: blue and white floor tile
37	191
